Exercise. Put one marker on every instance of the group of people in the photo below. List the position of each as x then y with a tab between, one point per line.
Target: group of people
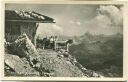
52	42
48	42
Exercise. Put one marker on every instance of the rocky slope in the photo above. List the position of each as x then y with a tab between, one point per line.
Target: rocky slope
23	59
51	64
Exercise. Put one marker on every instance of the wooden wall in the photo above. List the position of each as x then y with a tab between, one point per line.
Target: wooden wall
14	29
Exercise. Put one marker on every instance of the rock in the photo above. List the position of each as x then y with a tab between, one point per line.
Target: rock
18	65
23	47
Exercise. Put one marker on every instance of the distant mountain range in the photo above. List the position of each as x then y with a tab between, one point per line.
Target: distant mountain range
102	53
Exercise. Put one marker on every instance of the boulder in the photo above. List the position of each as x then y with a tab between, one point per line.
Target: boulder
19	66
23	47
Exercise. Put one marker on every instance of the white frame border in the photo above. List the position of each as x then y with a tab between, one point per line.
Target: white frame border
125	40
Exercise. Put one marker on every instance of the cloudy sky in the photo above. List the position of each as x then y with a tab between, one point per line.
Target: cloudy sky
76	19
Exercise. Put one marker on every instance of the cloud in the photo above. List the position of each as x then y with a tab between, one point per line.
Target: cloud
72	22
49	29
75	22
112	12
78	23
57	29
107	21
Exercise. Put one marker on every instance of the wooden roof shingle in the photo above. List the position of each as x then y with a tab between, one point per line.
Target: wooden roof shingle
27	16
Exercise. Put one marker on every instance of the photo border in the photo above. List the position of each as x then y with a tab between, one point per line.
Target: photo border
125	40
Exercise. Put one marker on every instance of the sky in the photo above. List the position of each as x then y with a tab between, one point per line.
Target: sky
76	19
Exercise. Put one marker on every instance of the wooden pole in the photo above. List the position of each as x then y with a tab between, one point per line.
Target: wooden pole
35	37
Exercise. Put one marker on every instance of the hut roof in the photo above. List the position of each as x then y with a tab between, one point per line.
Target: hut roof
27	16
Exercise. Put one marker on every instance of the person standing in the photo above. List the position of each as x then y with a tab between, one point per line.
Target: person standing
55	39
51	42
44	42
